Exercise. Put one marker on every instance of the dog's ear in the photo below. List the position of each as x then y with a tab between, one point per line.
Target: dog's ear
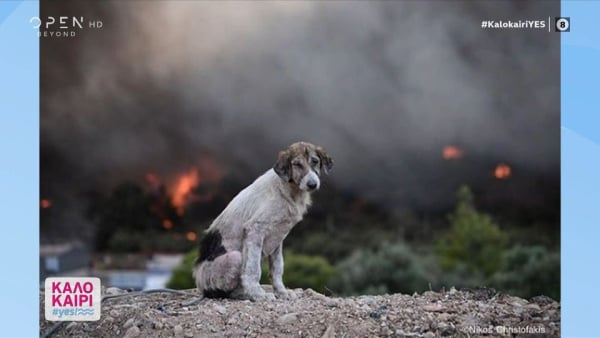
326	161
282	166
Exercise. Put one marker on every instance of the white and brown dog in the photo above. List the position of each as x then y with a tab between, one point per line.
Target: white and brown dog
255	223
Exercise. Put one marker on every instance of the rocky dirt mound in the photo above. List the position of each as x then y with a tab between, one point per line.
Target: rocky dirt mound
453	313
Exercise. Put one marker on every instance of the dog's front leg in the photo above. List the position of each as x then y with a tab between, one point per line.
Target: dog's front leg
276	274
250	274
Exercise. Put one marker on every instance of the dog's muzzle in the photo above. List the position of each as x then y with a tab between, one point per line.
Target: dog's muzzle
310	181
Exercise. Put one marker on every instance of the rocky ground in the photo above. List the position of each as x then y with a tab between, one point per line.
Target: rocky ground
465	313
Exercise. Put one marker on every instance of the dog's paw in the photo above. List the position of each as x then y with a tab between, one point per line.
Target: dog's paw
285	294
256	294
267	297
260	297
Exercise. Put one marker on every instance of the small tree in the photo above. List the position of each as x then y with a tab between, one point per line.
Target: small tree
474	241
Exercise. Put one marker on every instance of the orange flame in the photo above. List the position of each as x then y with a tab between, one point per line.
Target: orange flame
452	152
45	203
182	191
502	171
191	236
167	224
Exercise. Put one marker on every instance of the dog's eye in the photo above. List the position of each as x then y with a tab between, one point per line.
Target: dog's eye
314	161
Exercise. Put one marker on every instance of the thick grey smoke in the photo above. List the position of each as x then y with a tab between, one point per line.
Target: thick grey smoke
382	85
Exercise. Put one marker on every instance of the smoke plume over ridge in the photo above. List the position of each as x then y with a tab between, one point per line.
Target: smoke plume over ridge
383	86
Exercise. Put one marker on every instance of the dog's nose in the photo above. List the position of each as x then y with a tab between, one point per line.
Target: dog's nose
311	185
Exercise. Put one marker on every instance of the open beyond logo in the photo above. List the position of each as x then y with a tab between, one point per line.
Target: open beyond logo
72	299
62	26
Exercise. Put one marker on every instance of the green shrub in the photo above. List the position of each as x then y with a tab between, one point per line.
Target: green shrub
391	268
460	277
474	241
182	275
529	271
325	244
303	271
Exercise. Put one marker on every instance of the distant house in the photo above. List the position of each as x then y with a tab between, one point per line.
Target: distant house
160	268
127	279
66	259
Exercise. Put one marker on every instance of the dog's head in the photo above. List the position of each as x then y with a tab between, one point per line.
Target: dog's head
301	164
